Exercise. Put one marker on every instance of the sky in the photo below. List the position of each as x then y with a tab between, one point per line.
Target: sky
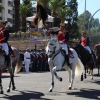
91	5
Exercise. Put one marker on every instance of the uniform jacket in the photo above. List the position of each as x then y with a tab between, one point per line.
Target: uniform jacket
84	41
62	35
4	35
27	56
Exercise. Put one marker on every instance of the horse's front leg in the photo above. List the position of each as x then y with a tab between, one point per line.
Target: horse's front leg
11	80
98	69
53	72
85	73
1	92
52	83
91	71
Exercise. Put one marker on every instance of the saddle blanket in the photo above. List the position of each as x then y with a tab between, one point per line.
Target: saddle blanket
71	55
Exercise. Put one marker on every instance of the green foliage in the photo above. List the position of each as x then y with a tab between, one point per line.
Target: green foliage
72	18
94	26
24	10
1	7
29	4
11	29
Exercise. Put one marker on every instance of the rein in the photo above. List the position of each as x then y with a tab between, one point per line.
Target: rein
56	54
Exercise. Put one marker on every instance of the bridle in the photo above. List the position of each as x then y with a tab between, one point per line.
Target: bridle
53	53
54	48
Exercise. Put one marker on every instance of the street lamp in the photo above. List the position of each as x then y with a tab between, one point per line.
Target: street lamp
91	20
84	16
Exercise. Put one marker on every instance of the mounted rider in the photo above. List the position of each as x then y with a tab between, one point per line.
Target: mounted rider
63	38
85	42
4	36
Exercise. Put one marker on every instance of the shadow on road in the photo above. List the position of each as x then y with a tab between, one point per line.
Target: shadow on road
96	82
87	93
7	76
26	95
96	75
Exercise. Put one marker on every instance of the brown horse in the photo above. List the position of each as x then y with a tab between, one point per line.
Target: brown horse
15	67
86	58
97	52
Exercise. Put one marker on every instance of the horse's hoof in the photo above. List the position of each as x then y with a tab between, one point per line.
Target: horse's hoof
1	92
8	90
50	90
85	77
13	88
60	79
81	79
70	88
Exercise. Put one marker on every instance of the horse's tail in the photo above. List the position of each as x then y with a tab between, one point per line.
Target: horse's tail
18	65
79	68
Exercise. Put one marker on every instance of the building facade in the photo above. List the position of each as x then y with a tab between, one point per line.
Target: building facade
7	13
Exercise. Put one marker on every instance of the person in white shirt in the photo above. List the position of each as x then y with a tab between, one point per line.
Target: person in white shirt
27	60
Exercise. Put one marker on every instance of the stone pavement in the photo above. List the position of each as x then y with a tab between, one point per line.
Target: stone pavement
35	86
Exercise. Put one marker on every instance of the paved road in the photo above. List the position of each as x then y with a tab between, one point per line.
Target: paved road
35	86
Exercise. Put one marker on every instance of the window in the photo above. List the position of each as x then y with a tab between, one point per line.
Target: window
10	3
10	20
0	18
0	10
0	1
10	12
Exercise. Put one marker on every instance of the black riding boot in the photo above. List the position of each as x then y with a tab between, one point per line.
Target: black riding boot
8	60
67	60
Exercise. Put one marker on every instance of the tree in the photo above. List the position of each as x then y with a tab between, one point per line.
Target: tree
29	3
94	32
24	9
81	21
17	4
54	6
1	7
62	13
72	18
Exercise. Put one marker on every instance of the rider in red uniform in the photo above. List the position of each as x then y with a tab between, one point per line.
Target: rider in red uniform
4	36
85	42
63	37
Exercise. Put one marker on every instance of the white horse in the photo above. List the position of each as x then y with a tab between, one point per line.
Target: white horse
56	61
16	64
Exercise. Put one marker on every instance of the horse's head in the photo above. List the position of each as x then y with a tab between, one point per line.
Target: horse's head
52	47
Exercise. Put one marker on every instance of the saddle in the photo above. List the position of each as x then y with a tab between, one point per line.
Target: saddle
70	53
7	57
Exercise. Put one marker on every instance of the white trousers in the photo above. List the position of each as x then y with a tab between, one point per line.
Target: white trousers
88	48
64	46
27	63
5	47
